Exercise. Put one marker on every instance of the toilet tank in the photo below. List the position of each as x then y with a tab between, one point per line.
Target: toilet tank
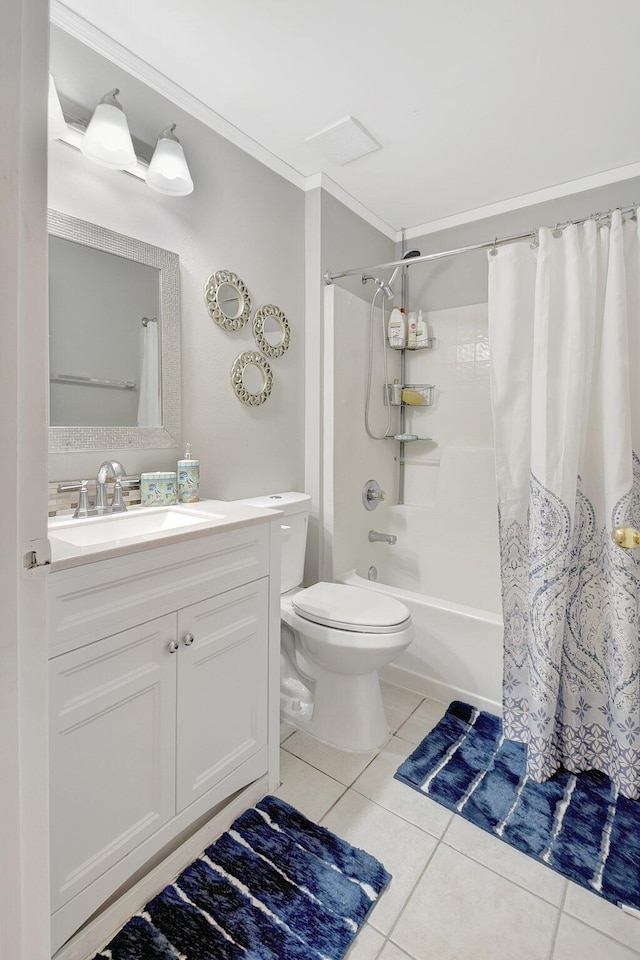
295	507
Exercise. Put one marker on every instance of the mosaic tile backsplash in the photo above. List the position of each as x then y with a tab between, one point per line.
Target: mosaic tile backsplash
61	504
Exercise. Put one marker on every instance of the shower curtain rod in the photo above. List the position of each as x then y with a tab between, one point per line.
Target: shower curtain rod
485	245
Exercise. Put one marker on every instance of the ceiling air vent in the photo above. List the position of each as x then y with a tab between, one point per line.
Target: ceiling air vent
344	141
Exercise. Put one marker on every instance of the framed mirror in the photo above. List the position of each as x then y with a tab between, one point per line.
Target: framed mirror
251	378
114	340
271	330
227	300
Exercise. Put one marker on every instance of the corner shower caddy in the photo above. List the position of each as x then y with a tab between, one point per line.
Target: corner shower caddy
427	344
426	391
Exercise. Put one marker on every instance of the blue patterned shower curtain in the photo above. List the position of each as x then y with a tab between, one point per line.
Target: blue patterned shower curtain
564	326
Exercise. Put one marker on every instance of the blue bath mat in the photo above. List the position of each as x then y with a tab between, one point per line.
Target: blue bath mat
275	886
577	825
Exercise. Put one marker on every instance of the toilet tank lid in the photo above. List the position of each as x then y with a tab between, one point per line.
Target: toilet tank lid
290	502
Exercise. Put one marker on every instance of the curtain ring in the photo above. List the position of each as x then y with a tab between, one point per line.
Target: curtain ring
535	243
556	232
493	252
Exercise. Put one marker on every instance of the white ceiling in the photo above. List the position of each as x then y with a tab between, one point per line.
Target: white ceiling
473	103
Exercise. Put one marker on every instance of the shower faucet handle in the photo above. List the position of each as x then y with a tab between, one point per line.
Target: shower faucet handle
372	495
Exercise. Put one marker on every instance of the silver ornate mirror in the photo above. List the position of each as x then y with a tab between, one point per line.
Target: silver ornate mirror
227	300
115	380
251	378
271	330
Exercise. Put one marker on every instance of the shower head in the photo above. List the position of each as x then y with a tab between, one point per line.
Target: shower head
387	285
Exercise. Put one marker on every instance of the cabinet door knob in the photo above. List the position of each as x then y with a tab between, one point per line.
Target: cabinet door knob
188	639
173	646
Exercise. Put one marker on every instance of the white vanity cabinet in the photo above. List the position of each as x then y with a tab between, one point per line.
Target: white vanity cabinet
222	688
159	720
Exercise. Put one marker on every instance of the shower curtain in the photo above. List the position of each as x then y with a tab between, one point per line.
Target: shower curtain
149	412
564	326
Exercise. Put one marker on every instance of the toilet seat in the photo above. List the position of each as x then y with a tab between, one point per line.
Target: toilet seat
342	607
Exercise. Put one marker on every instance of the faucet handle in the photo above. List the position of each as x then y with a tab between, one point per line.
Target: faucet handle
117	503
83	509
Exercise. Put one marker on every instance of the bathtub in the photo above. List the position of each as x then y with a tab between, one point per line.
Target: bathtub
456	653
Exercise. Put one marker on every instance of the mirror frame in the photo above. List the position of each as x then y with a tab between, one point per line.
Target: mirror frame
261	315
71	439
211	288
240	364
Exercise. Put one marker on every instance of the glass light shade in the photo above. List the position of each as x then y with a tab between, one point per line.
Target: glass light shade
107	140
168	171
57	125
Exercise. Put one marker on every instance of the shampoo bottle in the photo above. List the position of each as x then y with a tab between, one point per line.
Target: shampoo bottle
397	329
422	331
188	478
412	323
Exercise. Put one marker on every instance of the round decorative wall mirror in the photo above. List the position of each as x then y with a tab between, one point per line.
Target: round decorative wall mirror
271	330
227	300
251	378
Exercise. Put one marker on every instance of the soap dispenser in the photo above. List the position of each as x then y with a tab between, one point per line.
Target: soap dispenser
188	478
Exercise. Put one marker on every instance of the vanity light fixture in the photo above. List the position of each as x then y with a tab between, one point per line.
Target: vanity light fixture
56	123
107	140
168	171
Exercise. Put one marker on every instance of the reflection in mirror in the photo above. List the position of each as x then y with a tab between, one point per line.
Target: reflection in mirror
114	331
251	378
104	362
227	300
271	330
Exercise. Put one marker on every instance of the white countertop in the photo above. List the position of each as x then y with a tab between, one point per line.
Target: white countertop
218	516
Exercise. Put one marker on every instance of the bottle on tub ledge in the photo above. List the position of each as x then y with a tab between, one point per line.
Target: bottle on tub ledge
188	478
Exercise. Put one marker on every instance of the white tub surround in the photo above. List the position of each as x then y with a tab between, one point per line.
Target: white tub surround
444	565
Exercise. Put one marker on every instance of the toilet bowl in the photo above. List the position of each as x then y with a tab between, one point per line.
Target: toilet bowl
334	639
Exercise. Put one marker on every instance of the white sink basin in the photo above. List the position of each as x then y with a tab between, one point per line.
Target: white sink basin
134	525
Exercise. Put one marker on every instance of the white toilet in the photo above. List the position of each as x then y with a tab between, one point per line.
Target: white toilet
334	639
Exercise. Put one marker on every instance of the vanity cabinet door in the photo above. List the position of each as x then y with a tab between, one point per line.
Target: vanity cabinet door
222	687
112	751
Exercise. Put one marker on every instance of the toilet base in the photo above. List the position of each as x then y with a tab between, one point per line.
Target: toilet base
348	712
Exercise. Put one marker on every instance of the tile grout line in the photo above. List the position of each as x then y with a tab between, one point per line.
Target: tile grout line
481	863
400	816
406	902
554	935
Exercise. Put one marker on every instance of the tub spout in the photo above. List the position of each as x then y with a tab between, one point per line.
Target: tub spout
375	537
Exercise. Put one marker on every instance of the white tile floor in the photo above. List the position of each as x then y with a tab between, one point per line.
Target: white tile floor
457	893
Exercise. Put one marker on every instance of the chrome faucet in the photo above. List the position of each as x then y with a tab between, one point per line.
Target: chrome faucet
114	469
375	537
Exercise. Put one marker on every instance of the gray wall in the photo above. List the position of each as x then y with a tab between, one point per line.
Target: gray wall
242	217
460	280
348	241
336	239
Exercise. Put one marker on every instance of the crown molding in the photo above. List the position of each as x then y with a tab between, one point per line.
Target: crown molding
325	182
75	25
603	179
